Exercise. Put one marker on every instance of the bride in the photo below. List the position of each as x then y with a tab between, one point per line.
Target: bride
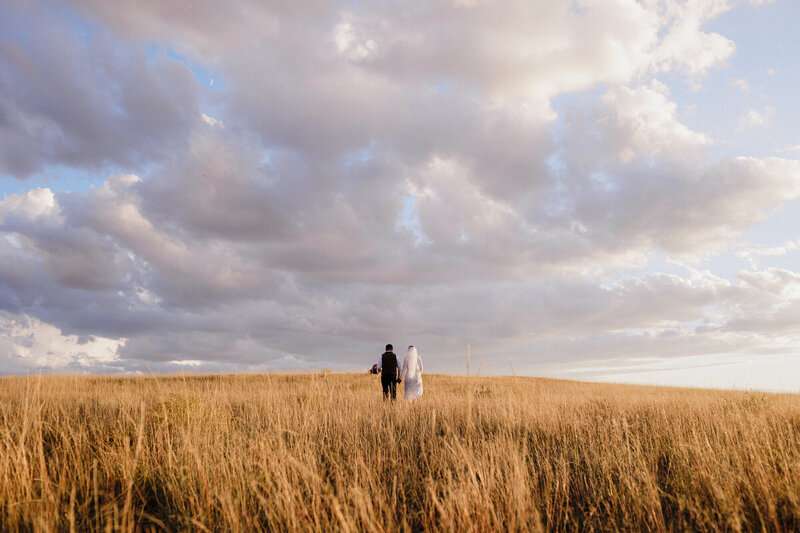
411	371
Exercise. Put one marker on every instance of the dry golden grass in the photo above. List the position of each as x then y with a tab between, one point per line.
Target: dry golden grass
324	452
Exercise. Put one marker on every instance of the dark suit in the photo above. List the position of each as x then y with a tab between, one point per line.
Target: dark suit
389	373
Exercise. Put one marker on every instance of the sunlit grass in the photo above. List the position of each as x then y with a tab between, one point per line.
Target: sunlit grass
324	452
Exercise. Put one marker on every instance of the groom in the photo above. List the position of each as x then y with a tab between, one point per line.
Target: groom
387	366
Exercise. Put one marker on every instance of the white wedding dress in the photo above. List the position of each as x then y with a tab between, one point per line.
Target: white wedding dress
411	373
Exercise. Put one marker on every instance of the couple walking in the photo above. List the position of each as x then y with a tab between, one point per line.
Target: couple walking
392	373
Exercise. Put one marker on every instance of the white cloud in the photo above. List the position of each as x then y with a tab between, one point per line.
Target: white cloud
685	46
754	118
751	254
792	148
741	84
211	121
189	363
32	204
28	343
351	45
648	120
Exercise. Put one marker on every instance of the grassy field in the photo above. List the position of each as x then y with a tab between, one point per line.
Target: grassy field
324	452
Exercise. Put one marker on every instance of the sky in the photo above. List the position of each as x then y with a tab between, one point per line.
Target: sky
604	190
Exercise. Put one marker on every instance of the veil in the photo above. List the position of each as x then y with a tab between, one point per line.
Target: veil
411	361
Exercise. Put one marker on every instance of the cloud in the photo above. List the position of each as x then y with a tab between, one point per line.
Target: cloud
84	102
646	121
754	118
685	46
211	121
323	79
634	178
751	254
741	84
792	148
372	173
28	343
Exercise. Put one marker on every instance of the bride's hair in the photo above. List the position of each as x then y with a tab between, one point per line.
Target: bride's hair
410	345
